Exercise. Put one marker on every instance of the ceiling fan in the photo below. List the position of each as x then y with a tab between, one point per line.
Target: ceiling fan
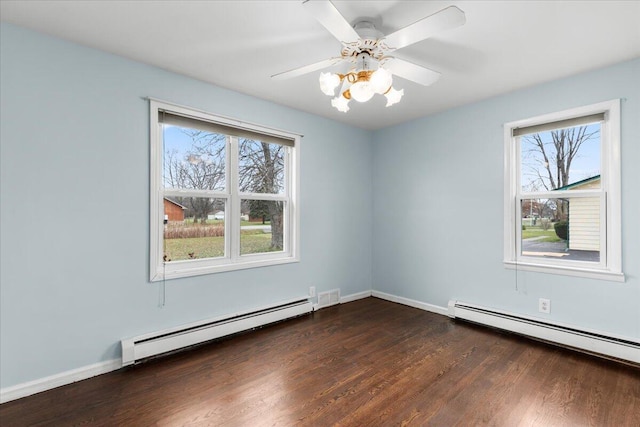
366	49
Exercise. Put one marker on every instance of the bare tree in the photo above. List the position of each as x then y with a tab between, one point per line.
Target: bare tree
262	171
201	167
549	159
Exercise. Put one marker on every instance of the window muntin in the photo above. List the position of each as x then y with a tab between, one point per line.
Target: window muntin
226	180
564	167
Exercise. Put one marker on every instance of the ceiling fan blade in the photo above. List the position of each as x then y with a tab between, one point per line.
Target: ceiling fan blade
410	71
448	18
306	69
327	14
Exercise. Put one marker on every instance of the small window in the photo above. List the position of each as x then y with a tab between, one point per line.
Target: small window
562	193
223	195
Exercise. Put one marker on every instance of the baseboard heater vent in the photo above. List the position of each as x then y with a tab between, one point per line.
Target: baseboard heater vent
156	343
590	341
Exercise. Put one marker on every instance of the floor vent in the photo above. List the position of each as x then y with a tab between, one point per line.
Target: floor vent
156	343
590	341
329	298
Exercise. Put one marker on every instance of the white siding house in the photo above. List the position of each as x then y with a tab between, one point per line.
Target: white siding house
584	217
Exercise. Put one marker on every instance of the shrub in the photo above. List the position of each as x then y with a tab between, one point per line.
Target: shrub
182	231
562	229
523	227
545	224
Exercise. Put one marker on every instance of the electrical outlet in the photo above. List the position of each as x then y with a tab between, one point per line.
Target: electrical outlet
544	305
312	291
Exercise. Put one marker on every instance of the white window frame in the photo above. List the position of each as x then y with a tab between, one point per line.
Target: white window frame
610	265
160	270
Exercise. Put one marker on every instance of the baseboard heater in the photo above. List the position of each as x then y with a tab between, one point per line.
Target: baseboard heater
592	342
156	343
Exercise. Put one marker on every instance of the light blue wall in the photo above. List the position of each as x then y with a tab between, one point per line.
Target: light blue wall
438	207
74	212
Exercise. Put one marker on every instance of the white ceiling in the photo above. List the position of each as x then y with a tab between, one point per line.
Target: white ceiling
504	45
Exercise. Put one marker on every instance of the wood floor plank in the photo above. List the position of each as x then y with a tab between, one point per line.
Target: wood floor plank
366	363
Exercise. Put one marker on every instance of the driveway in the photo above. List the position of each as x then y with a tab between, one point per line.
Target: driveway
534	247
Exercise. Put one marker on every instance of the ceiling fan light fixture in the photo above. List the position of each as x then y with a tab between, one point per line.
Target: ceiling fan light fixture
381	81
393	96
328	83
366	48
340	103
361	91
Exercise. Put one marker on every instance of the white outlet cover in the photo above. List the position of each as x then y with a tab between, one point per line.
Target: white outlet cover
544	305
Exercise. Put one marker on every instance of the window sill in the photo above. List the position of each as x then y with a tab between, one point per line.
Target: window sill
189	271
566	271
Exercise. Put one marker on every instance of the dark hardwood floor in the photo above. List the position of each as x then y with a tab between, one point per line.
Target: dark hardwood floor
366	363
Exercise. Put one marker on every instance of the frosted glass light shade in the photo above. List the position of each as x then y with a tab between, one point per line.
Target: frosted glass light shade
393	96
340	103
381	80
361	91
328	83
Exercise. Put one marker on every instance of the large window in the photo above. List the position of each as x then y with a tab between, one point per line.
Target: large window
223	194
562	193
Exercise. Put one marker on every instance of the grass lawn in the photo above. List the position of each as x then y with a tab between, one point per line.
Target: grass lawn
549	235
251	242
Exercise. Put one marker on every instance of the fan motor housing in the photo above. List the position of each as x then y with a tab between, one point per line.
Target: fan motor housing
368	43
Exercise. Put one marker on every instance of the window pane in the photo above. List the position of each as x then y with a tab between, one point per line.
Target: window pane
261	167
561	159
193	159
567	229
194	228
263	232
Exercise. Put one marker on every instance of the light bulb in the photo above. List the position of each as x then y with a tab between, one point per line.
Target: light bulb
393	96
381	80
361	91
340	103
328	83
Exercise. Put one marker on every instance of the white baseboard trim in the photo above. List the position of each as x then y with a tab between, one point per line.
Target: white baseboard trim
355	297
412	303
18	391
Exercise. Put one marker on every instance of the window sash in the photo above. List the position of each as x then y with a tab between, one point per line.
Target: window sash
232	260
602	235
610	190
178	192
559	194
